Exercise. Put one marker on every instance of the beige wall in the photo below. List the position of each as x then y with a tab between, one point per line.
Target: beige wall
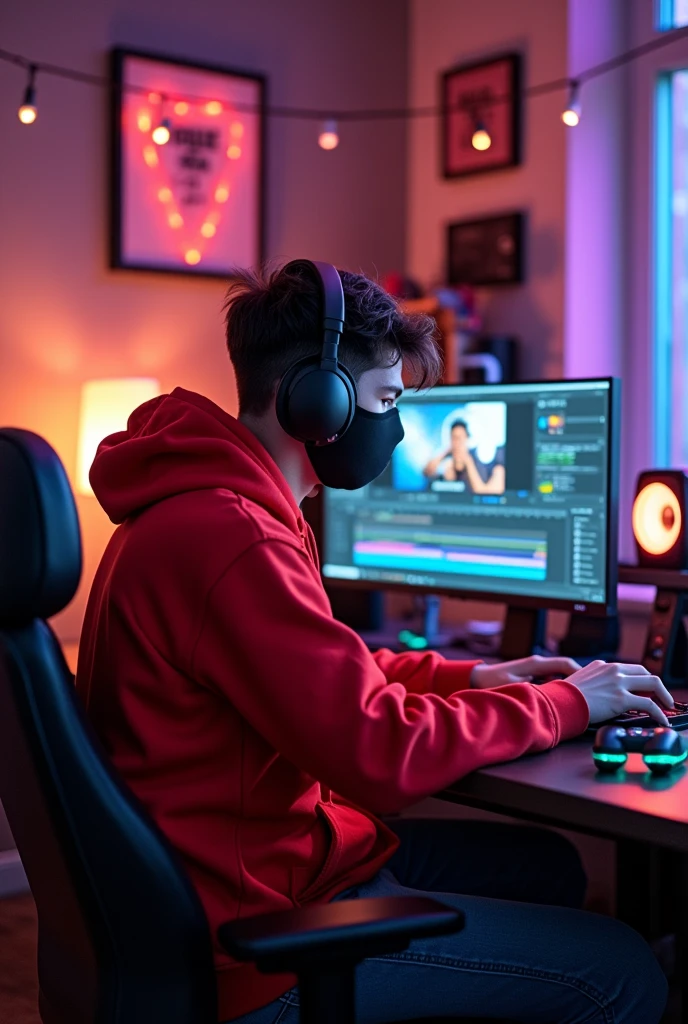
445	33
64	316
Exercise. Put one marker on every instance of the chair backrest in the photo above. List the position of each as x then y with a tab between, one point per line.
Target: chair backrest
122	935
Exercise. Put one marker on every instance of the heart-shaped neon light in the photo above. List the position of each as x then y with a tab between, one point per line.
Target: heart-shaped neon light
192	171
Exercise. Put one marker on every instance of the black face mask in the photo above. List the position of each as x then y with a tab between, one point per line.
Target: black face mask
364	451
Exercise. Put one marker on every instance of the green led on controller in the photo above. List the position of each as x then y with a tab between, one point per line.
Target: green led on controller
671	759
412	640
610	758
662	749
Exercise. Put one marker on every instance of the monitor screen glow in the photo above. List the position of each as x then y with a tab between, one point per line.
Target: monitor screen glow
505	490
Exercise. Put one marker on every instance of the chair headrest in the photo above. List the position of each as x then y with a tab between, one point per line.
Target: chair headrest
40	544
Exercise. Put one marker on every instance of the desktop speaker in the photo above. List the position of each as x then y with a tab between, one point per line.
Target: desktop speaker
659	519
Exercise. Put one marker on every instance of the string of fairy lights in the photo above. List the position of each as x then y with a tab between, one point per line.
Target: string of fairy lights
328	132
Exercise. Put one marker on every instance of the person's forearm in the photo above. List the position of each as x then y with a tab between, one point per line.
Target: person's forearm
477	483
495	485
433	465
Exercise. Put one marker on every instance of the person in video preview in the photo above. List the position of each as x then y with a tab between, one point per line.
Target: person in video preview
275	750
460	462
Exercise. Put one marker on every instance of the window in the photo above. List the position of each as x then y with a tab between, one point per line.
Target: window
671	14
671	270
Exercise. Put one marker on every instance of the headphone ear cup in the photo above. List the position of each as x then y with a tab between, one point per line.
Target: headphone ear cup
315	404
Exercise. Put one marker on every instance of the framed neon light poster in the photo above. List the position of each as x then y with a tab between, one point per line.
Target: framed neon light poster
187	166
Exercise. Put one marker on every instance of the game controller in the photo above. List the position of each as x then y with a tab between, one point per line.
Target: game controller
662	748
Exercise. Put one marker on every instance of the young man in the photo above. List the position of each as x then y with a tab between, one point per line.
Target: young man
264	737
460	463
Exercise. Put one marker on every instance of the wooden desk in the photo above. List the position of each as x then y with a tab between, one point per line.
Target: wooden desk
645	814
563	787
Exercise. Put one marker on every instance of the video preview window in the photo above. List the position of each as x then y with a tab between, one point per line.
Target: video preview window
456	449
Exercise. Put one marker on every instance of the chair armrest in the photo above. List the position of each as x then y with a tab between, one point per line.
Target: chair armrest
349	930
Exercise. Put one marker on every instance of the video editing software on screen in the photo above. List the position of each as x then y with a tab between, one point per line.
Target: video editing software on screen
495	488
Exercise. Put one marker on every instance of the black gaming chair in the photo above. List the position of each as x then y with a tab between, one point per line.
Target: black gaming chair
122	936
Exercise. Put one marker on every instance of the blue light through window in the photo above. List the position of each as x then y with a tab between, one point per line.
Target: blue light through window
671	270
671	14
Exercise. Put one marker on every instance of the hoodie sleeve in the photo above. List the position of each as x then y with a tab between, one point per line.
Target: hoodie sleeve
425	673
312	689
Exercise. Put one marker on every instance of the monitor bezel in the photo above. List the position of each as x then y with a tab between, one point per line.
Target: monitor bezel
588	608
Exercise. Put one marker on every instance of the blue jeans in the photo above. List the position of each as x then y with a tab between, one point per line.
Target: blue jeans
527	952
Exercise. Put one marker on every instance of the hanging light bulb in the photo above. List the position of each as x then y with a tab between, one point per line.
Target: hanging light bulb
481	138
328	137
28	113
572	114
161	134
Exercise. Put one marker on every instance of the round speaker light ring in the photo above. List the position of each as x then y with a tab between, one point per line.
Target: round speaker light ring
657	519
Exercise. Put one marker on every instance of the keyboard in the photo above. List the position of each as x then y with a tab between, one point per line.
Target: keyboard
678	719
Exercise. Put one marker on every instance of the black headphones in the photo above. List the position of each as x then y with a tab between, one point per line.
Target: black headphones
316	399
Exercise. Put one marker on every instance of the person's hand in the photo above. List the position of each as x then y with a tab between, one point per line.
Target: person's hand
434	463
525	670
609	690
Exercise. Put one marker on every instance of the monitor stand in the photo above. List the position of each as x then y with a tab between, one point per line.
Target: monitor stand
591	637
524	633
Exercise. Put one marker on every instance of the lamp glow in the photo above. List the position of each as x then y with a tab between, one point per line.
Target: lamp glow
192	257
181	108
105	408
572	114
28	111
656	518
329	136
161	134
481	138
213	107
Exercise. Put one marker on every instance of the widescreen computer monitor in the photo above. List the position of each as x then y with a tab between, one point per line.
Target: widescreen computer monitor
498	491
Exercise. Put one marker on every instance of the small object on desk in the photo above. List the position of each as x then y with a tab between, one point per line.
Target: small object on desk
412	641
662	748
678	718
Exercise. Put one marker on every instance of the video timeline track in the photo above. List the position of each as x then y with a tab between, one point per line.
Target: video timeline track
466	551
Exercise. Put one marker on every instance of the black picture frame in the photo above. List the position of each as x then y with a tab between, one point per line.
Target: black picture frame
121	255
474	93
487	251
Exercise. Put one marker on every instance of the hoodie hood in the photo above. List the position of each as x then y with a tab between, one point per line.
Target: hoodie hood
184	442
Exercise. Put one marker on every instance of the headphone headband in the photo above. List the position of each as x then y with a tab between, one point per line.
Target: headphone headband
332	293
316	399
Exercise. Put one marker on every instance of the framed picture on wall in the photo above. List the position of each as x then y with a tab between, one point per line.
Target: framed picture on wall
488	251
187	165
481	116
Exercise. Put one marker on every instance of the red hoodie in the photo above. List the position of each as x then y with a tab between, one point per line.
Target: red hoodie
261	734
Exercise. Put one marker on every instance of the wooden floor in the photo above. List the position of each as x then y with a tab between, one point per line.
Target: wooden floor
18	979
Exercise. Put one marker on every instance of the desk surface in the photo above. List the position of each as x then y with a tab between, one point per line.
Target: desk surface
563	787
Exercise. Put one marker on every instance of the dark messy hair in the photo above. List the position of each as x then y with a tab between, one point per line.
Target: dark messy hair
459	423
274	318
